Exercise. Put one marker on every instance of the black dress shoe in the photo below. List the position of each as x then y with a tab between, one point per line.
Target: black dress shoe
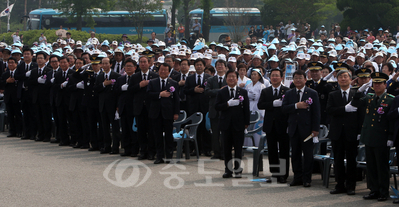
159	161
222	157
125	154
84	147
208	154
382	198
142	157
32	138
215	157
371	196
77	146
46	140
114	152
55	141
105	151
282	180
133	155
338	191
227	175
11	135
39	139
93	149
296	183
306	185
238	175
24	138
63	144
150	157
395	201
350	192
194	153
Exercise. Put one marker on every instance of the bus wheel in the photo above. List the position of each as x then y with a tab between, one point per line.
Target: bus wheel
222	38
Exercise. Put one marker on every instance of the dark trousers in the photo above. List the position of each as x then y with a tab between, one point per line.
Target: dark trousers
80	126
233	138
164	146
107	119
43	120
145	133
56	121
378	170
95	127
30	128
344	149
278	145
217	138
301	172
129	138
65	117
204	137
14	117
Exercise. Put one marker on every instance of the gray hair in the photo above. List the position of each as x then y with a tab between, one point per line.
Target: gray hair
344	71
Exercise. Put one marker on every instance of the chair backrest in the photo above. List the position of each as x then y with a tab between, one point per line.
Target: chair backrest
195	119
361	153
254	118
182	116
323	132
2	105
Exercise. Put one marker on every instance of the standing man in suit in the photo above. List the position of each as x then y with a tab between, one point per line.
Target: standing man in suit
125	109
40	97
344	129
394	116
181	79
141	103
54	64
303	108
376	134
197	101
214	84
25	93
164	109
10	87
275	124
62	97
117	63
233	104
107	96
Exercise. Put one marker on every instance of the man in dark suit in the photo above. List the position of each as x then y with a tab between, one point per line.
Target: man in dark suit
214	84
197	101
125	109
164	109
275	125
54	64
181	79
303	108
141	103
344	128
118	62
170	60
25	93
40	97
10	87
107	96
233	104
394	116
62	98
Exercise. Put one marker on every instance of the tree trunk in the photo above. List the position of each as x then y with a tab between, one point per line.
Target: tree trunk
186	19
173	11
206	19
79	22
40	3
26	3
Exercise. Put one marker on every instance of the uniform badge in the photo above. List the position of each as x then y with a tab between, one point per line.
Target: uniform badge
367	110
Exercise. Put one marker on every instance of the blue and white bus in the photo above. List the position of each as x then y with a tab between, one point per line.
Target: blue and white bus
222	18
112	22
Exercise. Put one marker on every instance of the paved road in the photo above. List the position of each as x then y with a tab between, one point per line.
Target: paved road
43	174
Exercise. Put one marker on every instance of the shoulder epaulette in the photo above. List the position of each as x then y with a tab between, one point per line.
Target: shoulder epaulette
371	94
390	95
355	87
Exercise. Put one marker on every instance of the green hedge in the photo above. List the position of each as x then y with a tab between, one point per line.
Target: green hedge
31	36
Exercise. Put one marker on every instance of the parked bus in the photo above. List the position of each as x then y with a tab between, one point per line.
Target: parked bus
226	20
112	22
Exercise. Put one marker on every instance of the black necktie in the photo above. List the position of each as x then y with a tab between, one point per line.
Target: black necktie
128	79
145	76
298	95
345	98
232	93
40	72
315	84
11	74
117	68
220	82
184	76
199	80
275	93
64	74
95	75
27	68
163	85
106	76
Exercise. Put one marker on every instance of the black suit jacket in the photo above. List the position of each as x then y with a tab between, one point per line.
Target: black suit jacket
196	102
342	121
62	95
274	116
125	98
174	73
107	97
40	92
303	120
90	98
140	94
20	75
235	117
167	106
10	89
50	75
211	90
76	98
178	78
113	63
393	114
323	89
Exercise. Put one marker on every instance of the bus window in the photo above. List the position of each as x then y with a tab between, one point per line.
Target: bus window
33	23
193	18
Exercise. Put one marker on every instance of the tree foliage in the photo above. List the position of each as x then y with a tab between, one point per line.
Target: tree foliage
371	14
138	12
206	5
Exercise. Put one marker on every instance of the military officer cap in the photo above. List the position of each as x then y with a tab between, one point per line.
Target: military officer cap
324	54
341	66
95	60
379	77
315	66
363	73
148	53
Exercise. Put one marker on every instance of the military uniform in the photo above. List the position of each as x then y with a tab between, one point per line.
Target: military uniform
377	129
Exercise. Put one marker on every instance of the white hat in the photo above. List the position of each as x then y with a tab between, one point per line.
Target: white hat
257	56
118	50
192	68
182	53
208	56
79	42
63	42
161	59
127	45
302	41
332	53
394	54
307	57
368	46
360	54
71	42
350	50
316	53
222	57
114	43
232	59
300	56
351	58
161	44
209	51
247	52
193	56
379	54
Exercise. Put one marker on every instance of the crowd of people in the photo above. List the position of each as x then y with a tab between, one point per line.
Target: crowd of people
96	92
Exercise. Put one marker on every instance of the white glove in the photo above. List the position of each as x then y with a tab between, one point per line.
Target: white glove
52	80
389	143
41	80
27	74
397	79
328	76
358	137
350	108
64	84
251	95
124	87
80	85
245	131
315	140
365	86
277	103
116	115
233	102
